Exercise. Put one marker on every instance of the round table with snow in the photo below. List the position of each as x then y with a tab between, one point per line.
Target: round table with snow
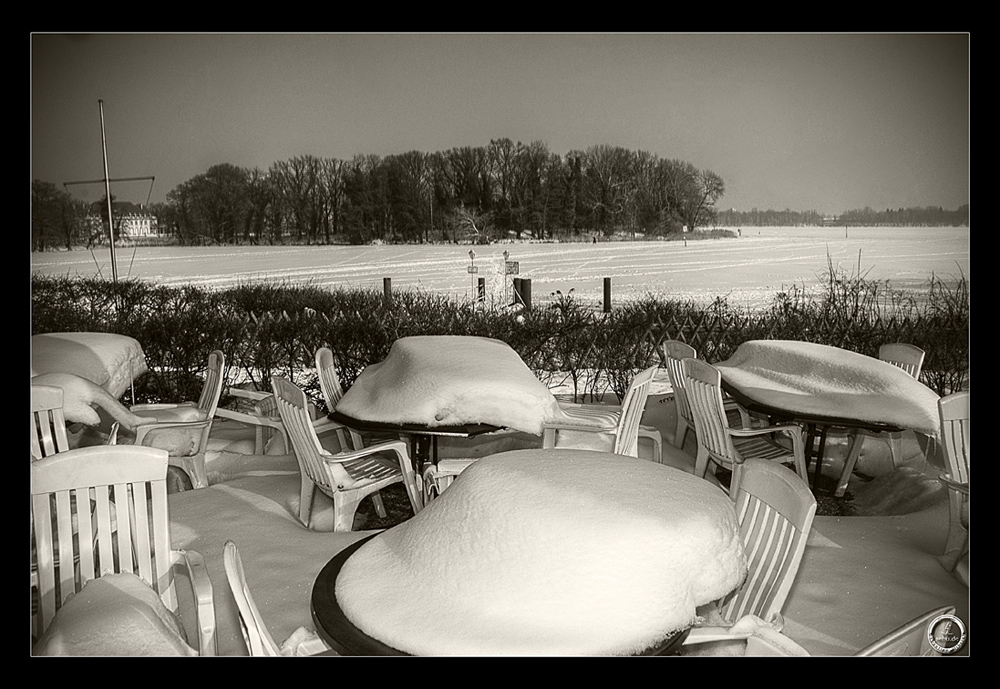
824	387
539	552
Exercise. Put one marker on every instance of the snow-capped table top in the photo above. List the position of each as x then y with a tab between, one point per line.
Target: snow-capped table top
541	552
450	380
819	380
106	359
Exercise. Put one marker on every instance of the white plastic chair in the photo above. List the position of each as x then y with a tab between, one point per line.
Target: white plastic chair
955	417
258	639
622	424
908	640
104	509
329	383
775	509
909	358
720	444
184	422
348	476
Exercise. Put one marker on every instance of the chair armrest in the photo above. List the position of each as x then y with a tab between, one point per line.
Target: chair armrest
566	426
161	405
254	395
143	430
951	483
397	446
704	635
792	430
194	566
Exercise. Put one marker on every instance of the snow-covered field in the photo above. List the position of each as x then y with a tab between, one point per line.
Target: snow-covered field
749	269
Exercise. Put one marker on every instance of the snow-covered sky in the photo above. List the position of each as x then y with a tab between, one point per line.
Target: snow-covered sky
825	122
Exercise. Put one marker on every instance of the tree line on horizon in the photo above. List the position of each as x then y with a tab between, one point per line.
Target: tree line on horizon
925	216
470	194
467	194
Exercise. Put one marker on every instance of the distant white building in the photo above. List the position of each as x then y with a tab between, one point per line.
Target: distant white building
139	225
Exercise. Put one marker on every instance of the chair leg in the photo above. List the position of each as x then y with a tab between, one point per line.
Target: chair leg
895	441
194	467
701	462
857	440
680	435
379	507
345	505
307	491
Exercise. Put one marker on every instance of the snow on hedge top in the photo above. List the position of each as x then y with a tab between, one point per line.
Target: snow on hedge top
449	380
548	552
109	360
828	381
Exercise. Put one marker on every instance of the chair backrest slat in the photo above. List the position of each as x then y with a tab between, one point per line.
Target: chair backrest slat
627	434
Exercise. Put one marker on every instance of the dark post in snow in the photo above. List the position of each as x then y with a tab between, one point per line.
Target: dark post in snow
387	288
607	295
482	289
526	293
517	291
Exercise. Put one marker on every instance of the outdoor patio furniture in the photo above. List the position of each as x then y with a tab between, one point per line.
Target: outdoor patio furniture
105	509
48	426
258	638
623	425
346	477
329	383
910	359
911	639
827	390
955	436
674	352
775	509
262	417
183	428
719	444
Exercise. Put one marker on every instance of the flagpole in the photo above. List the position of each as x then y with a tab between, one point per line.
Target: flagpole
107	193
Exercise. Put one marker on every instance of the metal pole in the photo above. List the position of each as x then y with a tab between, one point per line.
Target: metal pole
107	193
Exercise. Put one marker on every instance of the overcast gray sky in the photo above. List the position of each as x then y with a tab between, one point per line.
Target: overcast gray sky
826	122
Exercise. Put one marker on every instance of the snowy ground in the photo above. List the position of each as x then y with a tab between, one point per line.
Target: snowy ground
861	576
748	270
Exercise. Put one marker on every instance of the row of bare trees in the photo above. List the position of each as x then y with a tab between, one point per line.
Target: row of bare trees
462	194
476	194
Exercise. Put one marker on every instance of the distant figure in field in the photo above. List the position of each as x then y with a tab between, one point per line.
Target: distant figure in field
595	240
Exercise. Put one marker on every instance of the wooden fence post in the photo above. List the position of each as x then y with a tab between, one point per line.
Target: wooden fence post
387	287
526	293
607	295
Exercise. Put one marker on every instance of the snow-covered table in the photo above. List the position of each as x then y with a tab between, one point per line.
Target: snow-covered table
539	552
824	387
446	385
